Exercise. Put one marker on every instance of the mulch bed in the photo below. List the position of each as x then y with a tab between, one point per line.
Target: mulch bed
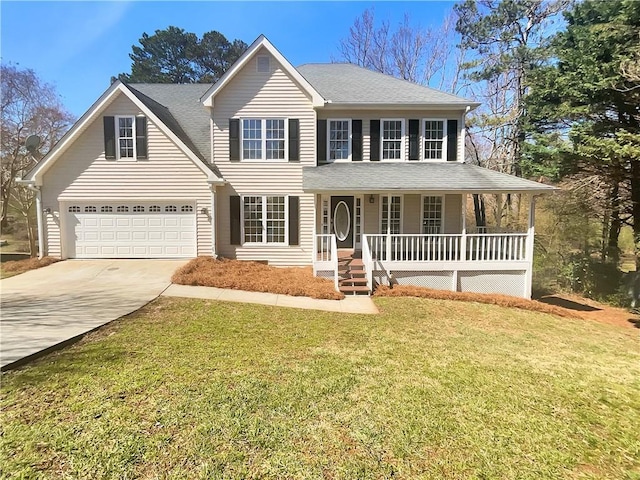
489	298
255	277
21	266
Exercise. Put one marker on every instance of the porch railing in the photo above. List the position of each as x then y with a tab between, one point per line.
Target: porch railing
442	248
325	249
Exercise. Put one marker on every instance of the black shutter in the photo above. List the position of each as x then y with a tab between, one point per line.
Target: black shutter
141	137
452	140
356	140
374	136
234	139
109	138
234	219
294	140
414	139
321	141
294	220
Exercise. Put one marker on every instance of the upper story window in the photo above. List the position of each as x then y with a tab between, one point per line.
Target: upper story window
126	137
264	139
339	139
434	139
392	137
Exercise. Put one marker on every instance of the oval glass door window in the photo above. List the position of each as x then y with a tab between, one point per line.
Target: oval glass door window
341	221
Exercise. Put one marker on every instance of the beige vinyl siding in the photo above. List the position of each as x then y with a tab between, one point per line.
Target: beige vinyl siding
453	213
412	208
264	95
52	233
367	115
372	214
82	173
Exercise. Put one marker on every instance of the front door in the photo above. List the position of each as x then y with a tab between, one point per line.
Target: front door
342	221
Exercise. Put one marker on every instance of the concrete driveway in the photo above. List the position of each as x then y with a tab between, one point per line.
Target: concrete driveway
45	307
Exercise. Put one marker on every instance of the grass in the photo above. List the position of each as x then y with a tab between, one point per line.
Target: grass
16	267
428	389
255	277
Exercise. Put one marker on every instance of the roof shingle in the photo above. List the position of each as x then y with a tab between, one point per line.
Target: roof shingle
350	84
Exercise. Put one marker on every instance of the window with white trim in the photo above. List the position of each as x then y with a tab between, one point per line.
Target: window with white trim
74	209
392	137
106	209
432	215
264	219
122	209
126	137
434	139
264	139
186	208
339	139
391	215
155	209
90	209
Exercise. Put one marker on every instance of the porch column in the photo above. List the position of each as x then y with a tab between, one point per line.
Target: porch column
463	237
212	219
529	247
314	252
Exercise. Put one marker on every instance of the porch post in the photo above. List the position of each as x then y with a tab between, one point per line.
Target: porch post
314	252
463	239
212	219
529	248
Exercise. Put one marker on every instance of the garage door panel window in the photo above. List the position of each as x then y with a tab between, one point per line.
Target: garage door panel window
90	209
122	209
186	208
170	208
74	209
155	209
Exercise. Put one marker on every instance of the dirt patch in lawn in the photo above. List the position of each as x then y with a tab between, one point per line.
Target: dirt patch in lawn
255	277
489	298
592	310
15	267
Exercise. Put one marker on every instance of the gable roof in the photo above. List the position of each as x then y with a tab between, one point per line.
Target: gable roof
179	107
347	84
415	176
158	113
262	42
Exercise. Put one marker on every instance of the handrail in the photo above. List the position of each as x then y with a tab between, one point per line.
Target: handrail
367	259
334	258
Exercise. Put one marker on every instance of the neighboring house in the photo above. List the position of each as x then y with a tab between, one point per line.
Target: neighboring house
285	165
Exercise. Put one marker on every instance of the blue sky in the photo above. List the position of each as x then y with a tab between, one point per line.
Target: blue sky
78	46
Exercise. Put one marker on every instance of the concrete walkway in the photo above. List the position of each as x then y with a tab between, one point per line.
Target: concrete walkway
351	304
50	306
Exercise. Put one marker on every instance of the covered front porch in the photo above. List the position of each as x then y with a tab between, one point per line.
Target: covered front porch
418	236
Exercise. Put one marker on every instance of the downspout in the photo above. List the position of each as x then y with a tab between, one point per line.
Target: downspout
40	219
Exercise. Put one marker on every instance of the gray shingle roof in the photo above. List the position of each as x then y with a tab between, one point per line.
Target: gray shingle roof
417	176
178	107
351	84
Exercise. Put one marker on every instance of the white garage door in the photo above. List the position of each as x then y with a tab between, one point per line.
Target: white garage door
131	230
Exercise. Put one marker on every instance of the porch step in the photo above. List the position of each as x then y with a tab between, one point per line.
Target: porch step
353	281
354	289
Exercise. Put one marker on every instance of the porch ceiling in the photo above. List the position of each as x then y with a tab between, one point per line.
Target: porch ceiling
414	176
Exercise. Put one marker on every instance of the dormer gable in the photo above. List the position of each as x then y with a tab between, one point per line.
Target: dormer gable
265	52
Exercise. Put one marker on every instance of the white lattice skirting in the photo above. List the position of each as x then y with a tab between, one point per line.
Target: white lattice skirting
507	282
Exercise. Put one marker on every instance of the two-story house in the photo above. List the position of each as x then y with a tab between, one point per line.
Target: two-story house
359	174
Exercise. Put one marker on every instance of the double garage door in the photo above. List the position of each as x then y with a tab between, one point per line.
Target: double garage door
130	230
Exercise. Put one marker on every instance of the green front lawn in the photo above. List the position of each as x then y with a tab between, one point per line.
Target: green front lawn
427	389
